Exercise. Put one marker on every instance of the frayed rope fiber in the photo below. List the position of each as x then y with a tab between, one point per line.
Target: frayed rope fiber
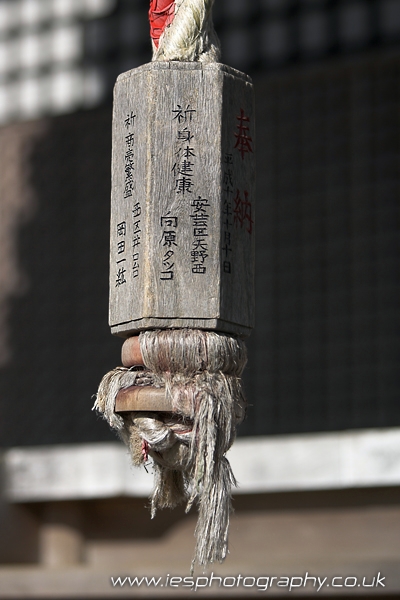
200	371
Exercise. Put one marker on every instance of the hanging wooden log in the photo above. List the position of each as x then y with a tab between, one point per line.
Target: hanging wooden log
182	265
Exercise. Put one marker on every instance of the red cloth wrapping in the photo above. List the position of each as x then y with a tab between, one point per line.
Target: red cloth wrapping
161	14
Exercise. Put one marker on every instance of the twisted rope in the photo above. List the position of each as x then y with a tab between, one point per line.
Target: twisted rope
183	30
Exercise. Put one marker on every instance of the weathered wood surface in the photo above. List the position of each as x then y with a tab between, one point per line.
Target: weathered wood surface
146	398
182	209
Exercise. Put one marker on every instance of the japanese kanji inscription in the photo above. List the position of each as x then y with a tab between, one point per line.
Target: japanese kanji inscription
182	209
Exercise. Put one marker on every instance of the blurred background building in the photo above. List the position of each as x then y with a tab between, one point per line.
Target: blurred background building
318	458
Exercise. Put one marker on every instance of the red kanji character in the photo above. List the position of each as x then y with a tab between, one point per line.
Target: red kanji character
243	142
242	211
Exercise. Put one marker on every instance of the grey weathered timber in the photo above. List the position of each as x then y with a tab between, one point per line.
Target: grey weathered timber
182	207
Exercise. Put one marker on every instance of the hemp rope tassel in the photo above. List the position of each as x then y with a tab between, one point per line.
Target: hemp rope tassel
200	371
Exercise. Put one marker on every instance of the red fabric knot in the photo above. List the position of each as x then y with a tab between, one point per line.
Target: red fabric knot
161	14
